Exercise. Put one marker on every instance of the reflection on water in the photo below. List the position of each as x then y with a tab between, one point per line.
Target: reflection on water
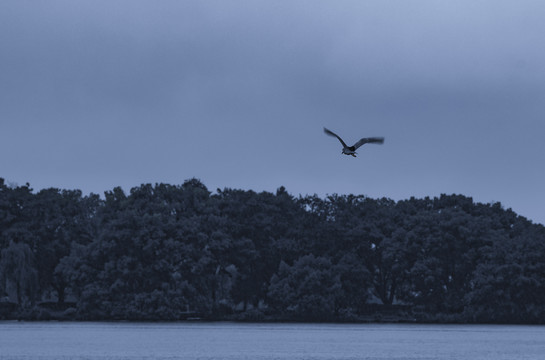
204	341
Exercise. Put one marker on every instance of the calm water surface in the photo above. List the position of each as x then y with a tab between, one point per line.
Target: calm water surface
206	341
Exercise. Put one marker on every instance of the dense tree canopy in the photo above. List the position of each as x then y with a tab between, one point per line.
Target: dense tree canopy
166	252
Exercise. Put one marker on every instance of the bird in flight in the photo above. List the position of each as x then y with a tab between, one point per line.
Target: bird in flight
351	150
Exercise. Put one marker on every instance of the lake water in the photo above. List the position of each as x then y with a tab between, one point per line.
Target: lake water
206	341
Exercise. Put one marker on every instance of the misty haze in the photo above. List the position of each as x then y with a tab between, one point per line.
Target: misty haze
285	180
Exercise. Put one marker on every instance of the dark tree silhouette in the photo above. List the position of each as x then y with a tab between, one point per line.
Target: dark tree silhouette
168	252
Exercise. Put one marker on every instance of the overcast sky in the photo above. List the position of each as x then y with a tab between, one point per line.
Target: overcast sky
98	94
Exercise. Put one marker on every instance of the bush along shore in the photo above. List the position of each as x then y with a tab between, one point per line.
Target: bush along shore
181	252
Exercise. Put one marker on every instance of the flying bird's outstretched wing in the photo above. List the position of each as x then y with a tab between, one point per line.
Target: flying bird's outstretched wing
374	140
331	133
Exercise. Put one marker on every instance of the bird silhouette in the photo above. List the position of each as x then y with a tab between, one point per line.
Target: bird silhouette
351	150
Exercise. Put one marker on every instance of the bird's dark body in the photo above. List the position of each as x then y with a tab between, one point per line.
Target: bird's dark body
351	150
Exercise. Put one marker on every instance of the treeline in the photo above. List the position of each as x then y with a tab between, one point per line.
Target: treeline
166	252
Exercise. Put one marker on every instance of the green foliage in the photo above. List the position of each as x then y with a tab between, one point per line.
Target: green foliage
308	290
510	286
165	252
16	267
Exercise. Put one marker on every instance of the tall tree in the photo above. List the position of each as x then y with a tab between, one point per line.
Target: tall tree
308	290
17	269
